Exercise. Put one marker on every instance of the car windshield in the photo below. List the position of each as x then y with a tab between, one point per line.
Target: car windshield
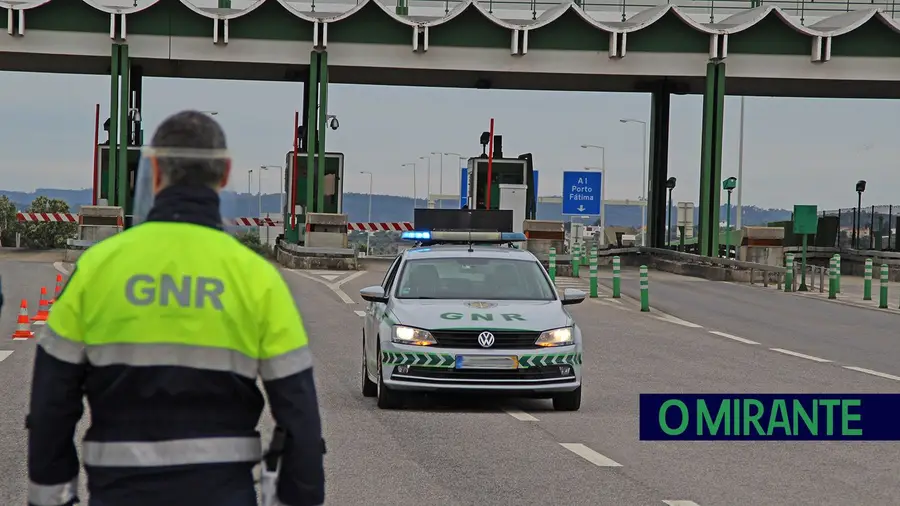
473	278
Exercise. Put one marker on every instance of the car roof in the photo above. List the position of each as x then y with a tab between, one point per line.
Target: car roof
477	251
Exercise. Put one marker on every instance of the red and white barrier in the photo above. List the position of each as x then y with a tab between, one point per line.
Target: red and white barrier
393	226
47	217
256	222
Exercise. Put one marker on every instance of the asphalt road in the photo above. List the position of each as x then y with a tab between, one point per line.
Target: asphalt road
848	335
474	452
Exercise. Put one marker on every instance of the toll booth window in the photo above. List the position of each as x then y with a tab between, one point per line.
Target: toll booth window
473	279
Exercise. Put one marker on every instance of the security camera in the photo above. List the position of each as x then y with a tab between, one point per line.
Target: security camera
333	122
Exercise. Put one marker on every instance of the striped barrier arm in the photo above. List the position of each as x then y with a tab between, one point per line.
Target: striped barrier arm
394	226
47	217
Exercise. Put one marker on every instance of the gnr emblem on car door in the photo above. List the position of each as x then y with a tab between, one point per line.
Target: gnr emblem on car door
486	339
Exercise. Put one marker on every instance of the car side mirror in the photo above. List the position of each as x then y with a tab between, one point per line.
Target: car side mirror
572	296
376	294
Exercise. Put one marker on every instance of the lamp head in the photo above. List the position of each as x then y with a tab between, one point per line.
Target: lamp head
729	184
670	183
860	186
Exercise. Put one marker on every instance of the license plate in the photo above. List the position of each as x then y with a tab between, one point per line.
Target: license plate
486	362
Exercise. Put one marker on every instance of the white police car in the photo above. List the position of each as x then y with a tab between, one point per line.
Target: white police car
465	312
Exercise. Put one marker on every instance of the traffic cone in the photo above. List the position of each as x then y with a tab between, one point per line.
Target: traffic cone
23	326
43	308
57	290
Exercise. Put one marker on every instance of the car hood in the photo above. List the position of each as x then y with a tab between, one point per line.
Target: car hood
468	314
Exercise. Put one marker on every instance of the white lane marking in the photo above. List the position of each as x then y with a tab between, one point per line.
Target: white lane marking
330	277
39	323
873	373
732	337
334	287
4	354
520	415
800	355
590	455
678	321
360	313
59	267
681	503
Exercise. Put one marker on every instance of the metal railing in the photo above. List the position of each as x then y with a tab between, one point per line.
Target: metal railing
877	229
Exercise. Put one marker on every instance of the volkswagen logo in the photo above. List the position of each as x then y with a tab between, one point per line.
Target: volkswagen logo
486	339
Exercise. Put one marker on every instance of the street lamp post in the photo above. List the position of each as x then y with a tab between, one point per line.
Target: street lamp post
249	180
458	163
860	189
602	153
643	179
369	234
428	180
280	184
729	186
738	221
440	176
670	185
415	195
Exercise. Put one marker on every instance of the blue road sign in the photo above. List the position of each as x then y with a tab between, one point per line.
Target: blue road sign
463	187
582	193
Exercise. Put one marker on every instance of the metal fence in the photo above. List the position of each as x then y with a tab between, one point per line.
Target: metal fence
875	228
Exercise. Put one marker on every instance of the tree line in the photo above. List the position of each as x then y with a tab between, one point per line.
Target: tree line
35	235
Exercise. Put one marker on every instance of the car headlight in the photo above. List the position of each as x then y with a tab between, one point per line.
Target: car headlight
556	337
413	336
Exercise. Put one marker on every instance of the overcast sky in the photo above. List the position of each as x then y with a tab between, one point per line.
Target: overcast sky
796	150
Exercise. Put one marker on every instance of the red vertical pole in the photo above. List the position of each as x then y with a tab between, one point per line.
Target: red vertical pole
294	171
96	154
490	166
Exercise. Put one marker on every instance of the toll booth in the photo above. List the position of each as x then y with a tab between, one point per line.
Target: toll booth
326	230
509	172
762	245
115	186
332	189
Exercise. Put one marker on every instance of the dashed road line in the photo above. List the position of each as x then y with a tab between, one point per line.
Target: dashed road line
4	354
801	355
681	503
360	313
590	455
520	415
873	373
678	321
732	337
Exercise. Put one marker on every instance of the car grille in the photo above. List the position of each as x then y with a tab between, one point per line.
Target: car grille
532	375
502	339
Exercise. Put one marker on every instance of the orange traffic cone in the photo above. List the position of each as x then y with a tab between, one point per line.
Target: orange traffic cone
23	327
57	290
43	308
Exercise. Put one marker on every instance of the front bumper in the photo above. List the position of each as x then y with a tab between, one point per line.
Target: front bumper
540	371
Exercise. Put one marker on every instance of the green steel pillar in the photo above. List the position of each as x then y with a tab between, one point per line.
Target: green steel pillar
593	273
323	117
312	91
867	282
711	158
552	264
402	7
660	105
113	126
883	295
124	95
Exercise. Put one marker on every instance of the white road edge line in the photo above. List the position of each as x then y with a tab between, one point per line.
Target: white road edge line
334	287
4	354
800	355
873	373
59	267
732	337
681	503
678	321
590	455
520	415
360	313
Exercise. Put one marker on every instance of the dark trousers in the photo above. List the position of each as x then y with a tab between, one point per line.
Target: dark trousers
244	498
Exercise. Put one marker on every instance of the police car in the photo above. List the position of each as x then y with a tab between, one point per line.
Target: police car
466	312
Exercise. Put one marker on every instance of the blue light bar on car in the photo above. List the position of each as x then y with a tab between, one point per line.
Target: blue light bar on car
459	236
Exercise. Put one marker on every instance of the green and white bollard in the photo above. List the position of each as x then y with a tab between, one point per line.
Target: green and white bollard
553	265
645	290
617	278
593	272
576	259
789	272
832	279
882	297
867	281
837	273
